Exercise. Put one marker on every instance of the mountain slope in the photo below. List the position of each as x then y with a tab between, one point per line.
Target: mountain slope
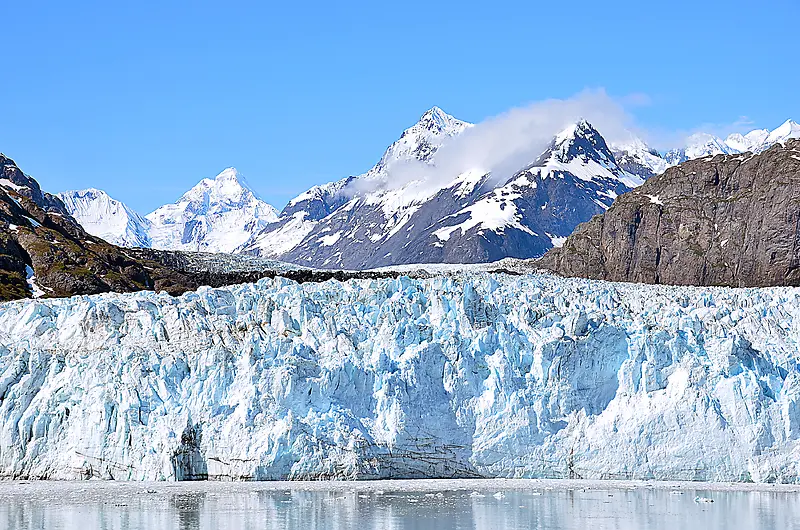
107	218
366	222
299	222
217	215
728	220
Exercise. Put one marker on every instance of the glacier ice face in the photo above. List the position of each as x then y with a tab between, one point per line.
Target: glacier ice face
455	376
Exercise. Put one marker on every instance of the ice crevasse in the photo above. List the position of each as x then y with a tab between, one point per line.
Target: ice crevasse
465	375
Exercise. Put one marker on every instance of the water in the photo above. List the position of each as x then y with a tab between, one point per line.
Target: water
434	505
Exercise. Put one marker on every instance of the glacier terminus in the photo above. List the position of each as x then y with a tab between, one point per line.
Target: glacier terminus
465	374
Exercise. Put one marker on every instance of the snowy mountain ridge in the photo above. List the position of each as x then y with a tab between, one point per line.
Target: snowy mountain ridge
703	144
383	217
107	218
475	375
216	215
303	214
372	221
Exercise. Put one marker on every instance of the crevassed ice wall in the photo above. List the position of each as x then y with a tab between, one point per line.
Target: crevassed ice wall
475	375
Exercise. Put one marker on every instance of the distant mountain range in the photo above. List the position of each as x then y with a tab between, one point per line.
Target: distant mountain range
702	144
217	215
369	220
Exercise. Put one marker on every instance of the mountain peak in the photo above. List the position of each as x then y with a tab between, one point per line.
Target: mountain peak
437	121
788	129
580	128
217	215
419	141
703	144
92	192
578	140
436	111
228	184
229	173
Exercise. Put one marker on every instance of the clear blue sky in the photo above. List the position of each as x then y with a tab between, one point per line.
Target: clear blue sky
143	99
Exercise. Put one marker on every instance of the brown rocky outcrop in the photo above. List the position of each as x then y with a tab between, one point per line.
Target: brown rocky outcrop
728	220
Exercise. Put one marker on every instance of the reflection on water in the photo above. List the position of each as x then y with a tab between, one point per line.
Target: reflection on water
123	508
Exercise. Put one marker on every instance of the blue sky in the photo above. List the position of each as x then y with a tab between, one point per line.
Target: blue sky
145	99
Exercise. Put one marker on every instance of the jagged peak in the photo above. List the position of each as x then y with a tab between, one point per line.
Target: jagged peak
229	173
228	183
704	144
436	115
436	111
578	129
437	121
85	191
93	195
788	124
578	140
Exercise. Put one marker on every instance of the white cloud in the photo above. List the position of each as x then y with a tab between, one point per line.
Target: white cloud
503	144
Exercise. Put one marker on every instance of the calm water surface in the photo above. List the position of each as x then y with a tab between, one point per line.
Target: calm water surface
444	506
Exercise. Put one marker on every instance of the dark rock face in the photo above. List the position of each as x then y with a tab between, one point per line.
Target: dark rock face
28	187
726	220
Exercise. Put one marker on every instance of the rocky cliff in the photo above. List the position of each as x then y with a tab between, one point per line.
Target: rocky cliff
723	220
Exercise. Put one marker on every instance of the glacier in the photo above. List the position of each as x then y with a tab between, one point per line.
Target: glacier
469	374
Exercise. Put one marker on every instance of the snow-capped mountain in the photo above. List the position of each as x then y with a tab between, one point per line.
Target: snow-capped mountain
303	214
107	218
370	220
788	130
636	157
217	215
753	141
297	220
419	142
475	217
377	218
486	375
703	144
